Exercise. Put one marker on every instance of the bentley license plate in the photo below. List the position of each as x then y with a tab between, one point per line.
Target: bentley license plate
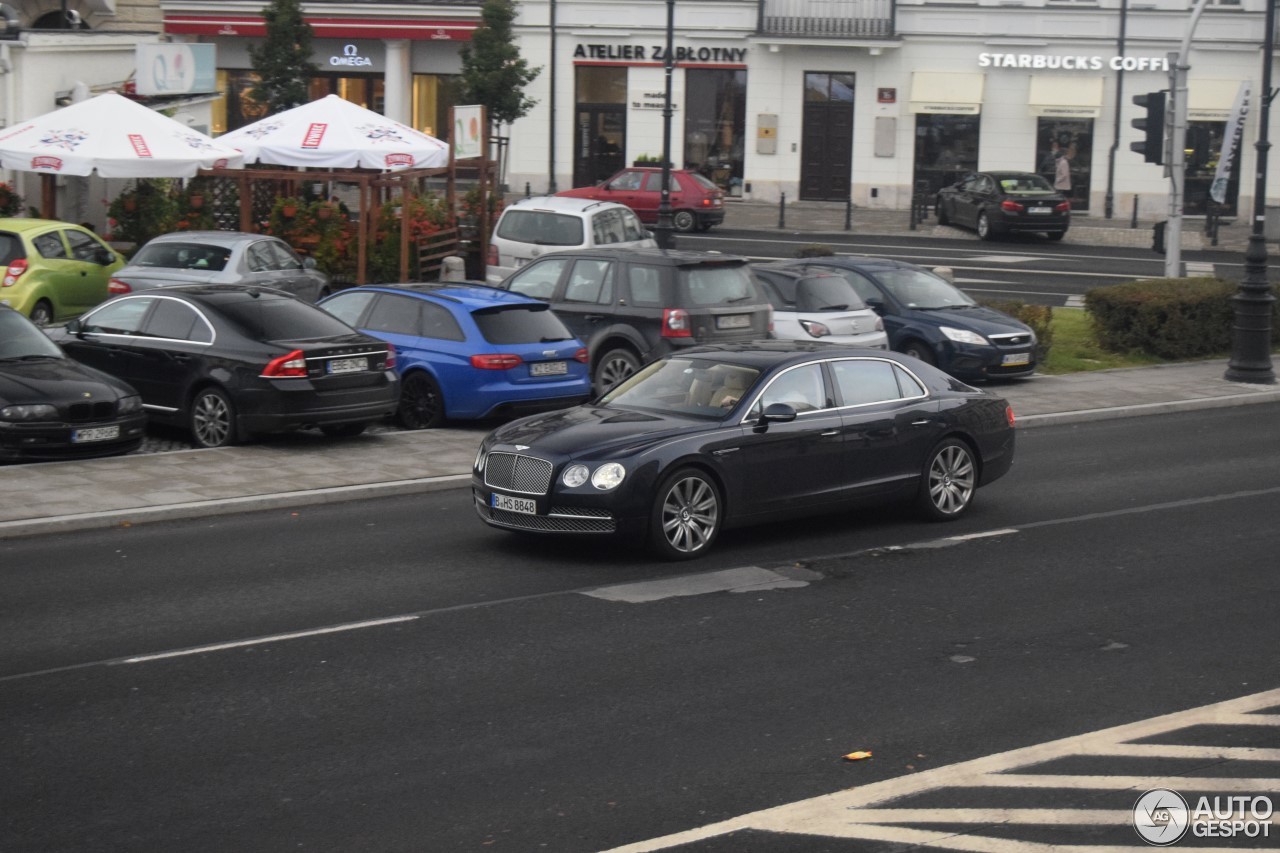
348	365
548	368
106	433
511	504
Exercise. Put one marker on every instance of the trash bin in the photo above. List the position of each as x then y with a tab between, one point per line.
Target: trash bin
1271	224
1157	237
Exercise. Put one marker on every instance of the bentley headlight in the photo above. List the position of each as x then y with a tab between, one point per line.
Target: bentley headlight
608	476
963	336
480	460
575	475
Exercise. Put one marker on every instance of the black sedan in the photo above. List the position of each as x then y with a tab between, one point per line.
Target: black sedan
229	361
52	407
729	435
931	319
995	203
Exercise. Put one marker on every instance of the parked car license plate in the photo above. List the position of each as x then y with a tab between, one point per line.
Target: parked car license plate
733	321
1016	358
548	368
510	504
348	365
1040	210
106	433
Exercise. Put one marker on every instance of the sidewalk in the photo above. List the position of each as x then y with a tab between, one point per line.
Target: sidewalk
308	469
818	218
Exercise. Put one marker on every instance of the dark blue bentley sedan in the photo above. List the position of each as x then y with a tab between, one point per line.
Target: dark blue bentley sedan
733	434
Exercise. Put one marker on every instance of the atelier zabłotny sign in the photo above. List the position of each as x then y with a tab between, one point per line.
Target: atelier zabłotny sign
658	53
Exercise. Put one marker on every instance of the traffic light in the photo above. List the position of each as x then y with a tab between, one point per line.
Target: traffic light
1152	146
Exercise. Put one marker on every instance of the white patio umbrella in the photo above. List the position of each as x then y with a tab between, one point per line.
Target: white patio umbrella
334	133
115	136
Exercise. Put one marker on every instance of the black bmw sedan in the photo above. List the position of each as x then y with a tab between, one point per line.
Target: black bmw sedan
52	407
996	203
722	436
229	361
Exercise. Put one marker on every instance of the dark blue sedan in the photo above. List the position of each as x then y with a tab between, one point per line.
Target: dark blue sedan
466	351
931	319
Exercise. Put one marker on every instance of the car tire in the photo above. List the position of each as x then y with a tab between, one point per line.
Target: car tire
42	313
613	367
687	516
1056	235
684	221
421	403
985	231
949	482
919	349
704	226
212	418
943	218
344	430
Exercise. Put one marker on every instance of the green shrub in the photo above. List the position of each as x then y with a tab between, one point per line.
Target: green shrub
1171	318
1038	317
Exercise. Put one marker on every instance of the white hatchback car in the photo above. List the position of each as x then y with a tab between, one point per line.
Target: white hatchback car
531	227
811	306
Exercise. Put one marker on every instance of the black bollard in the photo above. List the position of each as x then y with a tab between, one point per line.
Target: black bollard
527	192
782	211
1133	223
848	215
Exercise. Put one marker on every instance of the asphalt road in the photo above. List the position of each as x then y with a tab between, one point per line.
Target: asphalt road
452	688
1027	268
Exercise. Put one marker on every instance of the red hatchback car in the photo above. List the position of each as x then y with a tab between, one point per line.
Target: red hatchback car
696	203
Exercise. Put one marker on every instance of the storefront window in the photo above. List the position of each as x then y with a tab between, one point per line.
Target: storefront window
433	96
946	150
1073	138
715	125
1204	147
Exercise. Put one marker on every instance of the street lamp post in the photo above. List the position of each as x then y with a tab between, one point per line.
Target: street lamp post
1251	333
663	231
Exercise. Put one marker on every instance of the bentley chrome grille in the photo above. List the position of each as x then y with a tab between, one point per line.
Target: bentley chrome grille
517	473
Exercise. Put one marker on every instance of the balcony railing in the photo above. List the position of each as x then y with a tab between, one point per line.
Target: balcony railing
860	19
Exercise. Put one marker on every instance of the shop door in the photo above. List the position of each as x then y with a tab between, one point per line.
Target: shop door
601	139
826	149
1073	139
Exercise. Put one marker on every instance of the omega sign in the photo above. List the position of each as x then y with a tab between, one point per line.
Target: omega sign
350	56
1072	63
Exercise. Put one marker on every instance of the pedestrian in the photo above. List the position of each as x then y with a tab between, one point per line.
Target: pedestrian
1062	173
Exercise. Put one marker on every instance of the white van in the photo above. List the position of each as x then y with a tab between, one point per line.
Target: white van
531	227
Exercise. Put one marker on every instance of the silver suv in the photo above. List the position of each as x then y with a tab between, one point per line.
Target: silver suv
532	227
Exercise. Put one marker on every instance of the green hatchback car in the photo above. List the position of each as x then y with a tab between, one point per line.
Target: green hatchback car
52	271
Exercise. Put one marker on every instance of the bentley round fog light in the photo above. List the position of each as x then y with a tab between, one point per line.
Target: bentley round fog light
608	476
575	475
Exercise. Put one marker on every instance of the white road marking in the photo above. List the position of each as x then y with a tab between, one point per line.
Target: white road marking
274	638
866	813
746	579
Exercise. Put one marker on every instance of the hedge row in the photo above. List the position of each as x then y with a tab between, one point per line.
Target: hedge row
1170	318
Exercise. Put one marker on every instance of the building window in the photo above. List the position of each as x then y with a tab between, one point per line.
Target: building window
600	125
433	96
946	150
1204	149
1073	138
715	125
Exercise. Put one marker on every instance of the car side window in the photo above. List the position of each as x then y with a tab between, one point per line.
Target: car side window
802	388
173	320
349	307
538	280
627	181
908	384
608	226
50	245
394	315
654	184
85	248
866	381
861	284
260	257
645	284
439	324
118	317
283	257
590	281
